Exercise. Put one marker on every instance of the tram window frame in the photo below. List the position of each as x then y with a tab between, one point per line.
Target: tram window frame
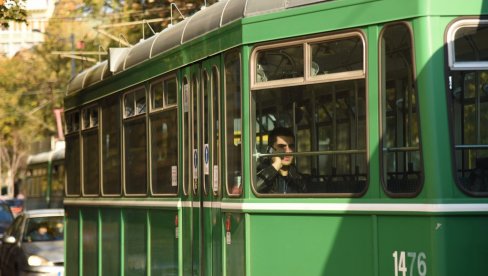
132	117
90	128
73	135
111	124
216	134
470	171
354	77
233	178
156	112
186	139
406	179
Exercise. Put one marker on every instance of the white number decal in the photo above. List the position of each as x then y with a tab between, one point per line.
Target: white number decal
400	263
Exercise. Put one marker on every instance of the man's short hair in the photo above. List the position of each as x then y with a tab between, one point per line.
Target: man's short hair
279	131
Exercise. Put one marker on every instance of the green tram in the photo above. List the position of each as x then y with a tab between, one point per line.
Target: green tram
44	182
385	99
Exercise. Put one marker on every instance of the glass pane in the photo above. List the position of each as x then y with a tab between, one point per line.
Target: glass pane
206	125
233	122
44	229
170	91
470	43
215	171
401	160
73	165
111	146
86	118
93	116
140	97
187	154
194	128
129	105
157	95
91	174
135	156
279	63
337	56
469	92
327	119
164	153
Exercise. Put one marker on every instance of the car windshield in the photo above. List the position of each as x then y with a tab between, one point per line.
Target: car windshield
44	229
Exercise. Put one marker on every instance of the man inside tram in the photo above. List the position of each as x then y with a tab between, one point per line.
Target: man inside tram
279	174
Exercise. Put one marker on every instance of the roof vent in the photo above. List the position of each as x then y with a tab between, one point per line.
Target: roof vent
116	58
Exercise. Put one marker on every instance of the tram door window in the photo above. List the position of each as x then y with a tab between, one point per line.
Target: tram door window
110	131
325	108
135	168
402	172
73	154
164	136
195	132
206	126
91	174
233	130
214	126
468	93
186	135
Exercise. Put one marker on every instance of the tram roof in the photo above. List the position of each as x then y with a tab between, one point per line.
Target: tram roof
204	21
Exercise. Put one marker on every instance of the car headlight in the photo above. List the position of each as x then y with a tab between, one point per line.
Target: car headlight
37	261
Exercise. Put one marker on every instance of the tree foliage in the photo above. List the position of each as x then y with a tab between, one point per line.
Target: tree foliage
33	82
12	10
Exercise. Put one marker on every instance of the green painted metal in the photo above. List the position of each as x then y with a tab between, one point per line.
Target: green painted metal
141	240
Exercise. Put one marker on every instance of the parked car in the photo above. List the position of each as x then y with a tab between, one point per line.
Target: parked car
34	244
6	217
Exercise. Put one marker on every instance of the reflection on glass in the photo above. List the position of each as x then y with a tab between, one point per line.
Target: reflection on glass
328	122
164	149
157	95
401	159
135	156
233	122
111	146
279	63
336	56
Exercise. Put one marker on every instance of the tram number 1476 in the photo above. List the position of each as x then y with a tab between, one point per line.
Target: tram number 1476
407	261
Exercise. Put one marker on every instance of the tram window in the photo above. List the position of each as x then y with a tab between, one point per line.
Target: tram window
328	122
73	164
215	131
233	136
72	157
170	89
110	131
129	105
157	95
91	173
337	56
324	124
164	138
468	93
470	44
401	159
72	122
279	63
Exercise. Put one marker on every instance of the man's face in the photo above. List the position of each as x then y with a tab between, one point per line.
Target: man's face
285	144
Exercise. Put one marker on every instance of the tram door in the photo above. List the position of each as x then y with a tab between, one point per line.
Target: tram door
202	183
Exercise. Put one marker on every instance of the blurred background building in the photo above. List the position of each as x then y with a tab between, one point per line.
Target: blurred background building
19	36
